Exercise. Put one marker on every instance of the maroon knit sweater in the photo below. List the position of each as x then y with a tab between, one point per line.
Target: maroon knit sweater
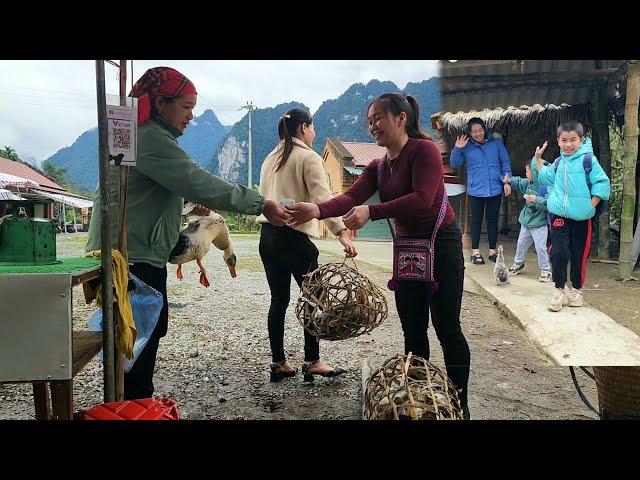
411	192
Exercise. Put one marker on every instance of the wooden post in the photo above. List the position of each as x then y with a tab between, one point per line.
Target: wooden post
105	238
41	401
62	399
603	144
629	170
635	248
122	225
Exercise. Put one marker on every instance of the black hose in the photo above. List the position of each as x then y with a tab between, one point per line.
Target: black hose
582	397
589	374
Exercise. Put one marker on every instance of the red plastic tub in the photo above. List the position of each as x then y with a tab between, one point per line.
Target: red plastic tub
143	409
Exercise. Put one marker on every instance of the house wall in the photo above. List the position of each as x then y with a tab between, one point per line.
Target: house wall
333	167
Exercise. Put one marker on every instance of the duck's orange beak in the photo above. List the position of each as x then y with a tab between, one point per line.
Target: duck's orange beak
233	272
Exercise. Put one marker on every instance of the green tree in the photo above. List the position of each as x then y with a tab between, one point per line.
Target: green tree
10	154
60	176
57	173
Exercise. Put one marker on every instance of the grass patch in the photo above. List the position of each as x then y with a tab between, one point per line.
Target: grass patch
245	235
250	264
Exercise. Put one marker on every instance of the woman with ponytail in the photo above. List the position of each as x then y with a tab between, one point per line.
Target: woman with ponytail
410	184
293	171
163	178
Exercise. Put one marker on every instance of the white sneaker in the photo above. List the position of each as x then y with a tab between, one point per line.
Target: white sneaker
545	276
574	296
557	300
515	268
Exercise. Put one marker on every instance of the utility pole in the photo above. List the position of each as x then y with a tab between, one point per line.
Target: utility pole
250	107
122	226
108	336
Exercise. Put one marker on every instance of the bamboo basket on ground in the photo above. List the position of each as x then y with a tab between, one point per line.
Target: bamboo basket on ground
618	392
338	302
410	388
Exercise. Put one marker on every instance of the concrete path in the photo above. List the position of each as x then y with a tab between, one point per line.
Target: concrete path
572	337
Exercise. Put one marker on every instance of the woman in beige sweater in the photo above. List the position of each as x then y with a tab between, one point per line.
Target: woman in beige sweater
293	172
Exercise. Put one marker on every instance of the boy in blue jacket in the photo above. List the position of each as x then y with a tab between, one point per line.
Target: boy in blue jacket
533	224
572	205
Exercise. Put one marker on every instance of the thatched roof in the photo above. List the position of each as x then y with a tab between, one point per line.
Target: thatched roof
541	119
476	84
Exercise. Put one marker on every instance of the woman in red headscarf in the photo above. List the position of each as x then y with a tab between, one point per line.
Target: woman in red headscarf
163	178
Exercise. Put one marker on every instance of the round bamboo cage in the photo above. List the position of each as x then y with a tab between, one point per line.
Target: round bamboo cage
337	302
410	388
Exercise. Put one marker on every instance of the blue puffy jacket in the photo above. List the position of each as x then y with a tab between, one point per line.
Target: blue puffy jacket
570	196
487	164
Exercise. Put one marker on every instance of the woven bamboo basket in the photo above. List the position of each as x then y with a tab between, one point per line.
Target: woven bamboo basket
337	302
618	391
410	388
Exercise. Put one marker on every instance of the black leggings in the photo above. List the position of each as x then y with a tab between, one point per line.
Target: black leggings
414	304
138	383
285	252
478	205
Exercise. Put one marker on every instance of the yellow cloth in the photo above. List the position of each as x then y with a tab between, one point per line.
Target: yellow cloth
125	331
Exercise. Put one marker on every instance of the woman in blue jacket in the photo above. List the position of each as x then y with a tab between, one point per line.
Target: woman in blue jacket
488	171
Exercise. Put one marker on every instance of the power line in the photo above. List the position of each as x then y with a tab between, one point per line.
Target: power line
44	95
227	118
225	107
54	105
71	92
250	107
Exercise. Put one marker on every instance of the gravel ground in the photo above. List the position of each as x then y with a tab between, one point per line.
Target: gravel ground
214	360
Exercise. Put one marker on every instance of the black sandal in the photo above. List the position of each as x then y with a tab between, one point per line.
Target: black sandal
277	374
493	257
477	259
308	376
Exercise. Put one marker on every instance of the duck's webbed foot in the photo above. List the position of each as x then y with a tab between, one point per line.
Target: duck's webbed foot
203	274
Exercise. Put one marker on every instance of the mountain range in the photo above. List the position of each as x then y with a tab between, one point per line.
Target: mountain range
223	149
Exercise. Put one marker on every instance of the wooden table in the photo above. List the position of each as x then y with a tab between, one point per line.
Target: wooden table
37	324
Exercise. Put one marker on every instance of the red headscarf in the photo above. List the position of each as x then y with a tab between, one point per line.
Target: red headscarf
159	82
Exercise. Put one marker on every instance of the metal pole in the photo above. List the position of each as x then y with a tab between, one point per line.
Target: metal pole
105	239
64	217
250	149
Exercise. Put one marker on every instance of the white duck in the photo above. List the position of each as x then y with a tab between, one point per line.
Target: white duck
195	241
500	270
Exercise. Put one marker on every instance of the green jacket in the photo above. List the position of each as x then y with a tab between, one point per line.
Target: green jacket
164	177
533	214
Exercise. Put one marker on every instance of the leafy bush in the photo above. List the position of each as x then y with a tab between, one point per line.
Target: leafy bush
239	223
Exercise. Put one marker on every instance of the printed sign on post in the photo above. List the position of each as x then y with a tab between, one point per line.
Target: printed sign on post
122	126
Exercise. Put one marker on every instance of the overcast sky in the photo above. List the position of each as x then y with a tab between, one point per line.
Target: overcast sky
46	105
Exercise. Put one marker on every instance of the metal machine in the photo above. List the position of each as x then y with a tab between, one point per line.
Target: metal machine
24	239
